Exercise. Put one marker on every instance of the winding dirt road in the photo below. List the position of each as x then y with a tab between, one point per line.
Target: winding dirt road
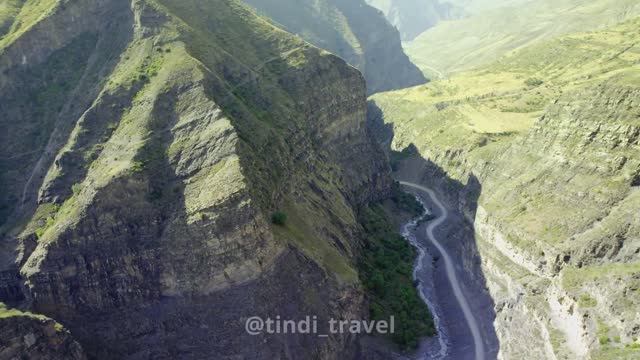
470	319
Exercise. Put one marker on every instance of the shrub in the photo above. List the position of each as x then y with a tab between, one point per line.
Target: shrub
533	82
279	218
405	201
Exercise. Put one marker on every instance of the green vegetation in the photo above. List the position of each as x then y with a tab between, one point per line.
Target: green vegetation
386	270
405	201
16	18
573	278
303	228
485	36
587	301
6	312
533	82
279	218
478	118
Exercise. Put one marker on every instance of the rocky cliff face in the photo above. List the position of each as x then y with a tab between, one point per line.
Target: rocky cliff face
556	220
352	30
28	336
147	145
575	238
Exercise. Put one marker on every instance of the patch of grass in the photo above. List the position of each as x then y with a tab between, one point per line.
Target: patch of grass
587	301
573	278
29	14
386	271
6	312
301	230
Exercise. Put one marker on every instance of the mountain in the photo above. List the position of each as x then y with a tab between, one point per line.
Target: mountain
413	17
491	32
170	168
352	30
550	138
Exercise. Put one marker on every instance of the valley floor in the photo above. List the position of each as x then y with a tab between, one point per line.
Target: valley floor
458	298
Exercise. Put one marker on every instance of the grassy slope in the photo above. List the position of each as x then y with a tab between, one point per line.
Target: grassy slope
484	109
18	16
480	121
453	46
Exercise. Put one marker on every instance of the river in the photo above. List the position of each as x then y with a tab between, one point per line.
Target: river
461	307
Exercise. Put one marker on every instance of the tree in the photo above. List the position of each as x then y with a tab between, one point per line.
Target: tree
279	218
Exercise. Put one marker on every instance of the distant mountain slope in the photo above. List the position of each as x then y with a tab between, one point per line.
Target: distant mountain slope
413	17
483	37
551	135
353	30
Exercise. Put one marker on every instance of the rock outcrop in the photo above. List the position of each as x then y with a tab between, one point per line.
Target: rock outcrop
28	336
147	144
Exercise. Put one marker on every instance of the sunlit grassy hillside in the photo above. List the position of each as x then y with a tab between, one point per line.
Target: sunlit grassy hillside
453	46
500	100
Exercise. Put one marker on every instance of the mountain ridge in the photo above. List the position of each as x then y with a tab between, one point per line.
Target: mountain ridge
163	146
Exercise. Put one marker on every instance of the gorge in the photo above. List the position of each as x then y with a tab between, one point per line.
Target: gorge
171	169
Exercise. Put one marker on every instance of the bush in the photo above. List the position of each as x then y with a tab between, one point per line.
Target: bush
405	201
533	82
279	218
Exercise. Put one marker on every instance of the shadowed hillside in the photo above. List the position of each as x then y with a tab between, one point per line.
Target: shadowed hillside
352	30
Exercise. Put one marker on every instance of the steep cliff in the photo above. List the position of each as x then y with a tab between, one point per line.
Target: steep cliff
550	137
352	30
147	144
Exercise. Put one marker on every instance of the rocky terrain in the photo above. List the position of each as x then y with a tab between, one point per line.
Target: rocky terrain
352	30
549	138
28	336
146	145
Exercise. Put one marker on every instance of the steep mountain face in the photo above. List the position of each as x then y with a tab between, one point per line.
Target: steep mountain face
413	17
146	145
551	137
352	30
493	29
